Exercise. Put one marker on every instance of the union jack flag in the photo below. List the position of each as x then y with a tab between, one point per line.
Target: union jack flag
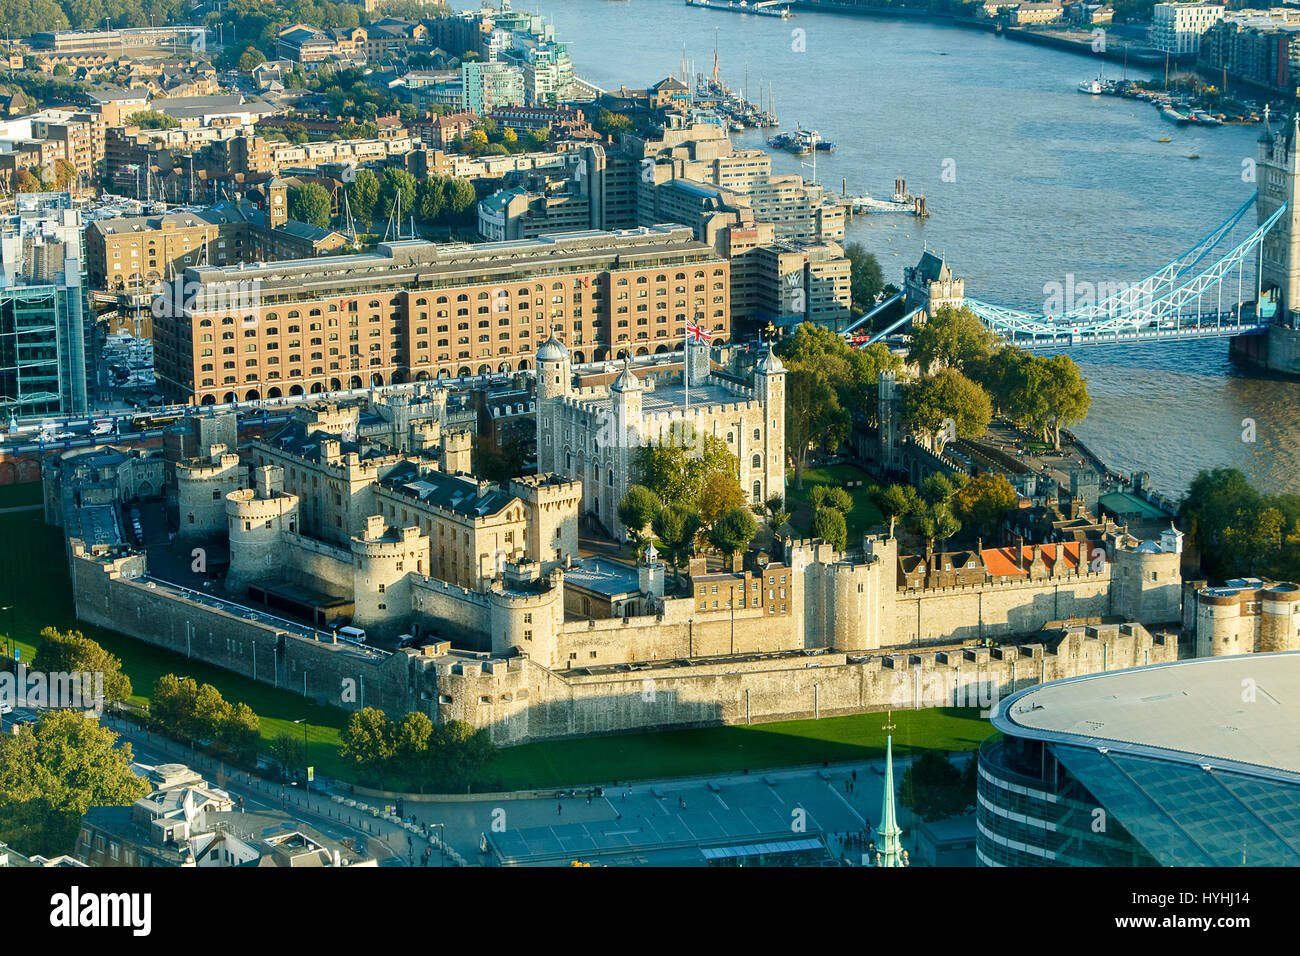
698	332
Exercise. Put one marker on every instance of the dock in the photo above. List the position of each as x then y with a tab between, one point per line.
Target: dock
903	202
759	8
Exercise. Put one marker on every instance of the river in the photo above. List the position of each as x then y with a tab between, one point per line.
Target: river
1027	180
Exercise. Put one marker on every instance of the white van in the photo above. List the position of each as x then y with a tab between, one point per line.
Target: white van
102	428
353	634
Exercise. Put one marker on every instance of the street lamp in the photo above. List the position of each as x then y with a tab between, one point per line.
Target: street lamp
9	634
306	782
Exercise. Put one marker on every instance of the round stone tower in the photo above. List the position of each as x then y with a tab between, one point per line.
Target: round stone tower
257	519
528	622
383	560
201	488
1279	626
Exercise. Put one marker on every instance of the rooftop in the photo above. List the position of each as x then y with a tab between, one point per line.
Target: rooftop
1188	712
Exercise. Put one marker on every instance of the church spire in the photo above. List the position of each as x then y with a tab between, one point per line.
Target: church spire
889	849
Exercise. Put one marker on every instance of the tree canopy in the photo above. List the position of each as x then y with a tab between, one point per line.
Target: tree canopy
50	775
944	406
310	203
72	652
825	379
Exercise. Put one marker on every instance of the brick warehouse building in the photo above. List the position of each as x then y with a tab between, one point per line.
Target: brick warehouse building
416	310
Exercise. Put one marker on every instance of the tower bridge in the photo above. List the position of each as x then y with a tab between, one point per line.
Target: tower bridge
1247	289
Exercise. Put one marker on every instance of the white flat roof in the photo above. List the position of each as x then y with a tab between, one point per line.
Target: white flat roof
1242	710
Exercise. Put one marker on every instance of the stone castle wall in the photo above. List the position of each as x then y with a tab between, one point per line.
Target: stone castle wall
518	700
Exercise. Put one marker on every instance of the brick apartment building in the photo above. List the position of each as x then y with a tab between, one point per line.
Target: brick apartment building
415	311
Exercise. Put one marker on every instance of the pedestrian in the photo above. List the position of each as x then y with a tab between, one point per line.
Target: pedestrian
855	776
559	809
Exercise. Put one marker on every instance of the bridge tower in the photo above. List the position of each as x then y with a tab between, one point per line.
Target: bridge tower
1277	179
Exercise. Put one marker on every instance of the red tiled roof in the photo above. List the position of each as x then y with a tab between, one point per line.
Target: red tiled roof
1001	562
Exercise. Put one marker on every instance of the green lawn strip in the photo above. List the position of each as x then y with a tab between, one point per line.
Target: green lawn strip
718	750
15	496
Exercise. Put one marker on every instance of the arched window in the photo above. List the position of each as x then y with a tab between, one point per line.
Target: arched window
756	461
758	435
758	491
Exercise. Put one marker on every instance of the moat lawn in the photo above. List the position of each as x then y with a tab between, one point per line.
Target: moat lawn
34	580
718	750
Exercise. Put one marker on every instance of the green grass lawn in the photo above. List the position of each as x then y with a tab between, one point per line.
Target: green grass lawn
679	753
864	516
14	496
34	580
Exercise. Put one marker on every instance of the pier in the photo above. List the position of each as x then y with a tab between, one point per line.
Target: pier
760	8
903	202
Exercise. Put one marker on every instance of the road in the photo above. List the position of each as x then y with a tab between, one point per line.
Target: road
385	841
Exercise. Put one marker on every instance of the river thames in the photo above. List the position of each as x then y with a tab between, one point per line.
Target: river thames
1028	183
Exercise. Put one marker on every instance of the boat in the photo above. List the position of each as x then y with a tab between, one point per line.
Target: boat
1164	139
1171	114
825	146
1205	119
1092	87
1194	156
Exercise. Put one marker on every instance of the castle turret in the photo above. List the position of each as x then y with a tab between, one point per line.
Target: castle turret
201	488
383	560
553	386
257	519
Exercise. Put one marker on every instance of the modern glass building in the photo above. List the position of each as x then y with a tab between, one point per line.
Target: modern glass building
46	329
1194	763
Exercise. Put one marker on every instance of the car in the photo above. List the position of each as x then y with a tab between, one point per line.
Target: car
6	708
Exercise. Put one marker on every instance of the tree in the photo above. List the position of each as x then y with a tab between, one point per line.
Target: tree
828	524
677	469
1060	395
817	496
934	789
777	513
172	703
411	741
71	652
733	531
865	278
241	734
946	405
287	750
459	754
310	203
367	740
52	774
720	494
897	500
981	504
675	526
824	379
250	59
952	338
152	119
938	524
937	488
363	197
611	124
637	509
839	499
